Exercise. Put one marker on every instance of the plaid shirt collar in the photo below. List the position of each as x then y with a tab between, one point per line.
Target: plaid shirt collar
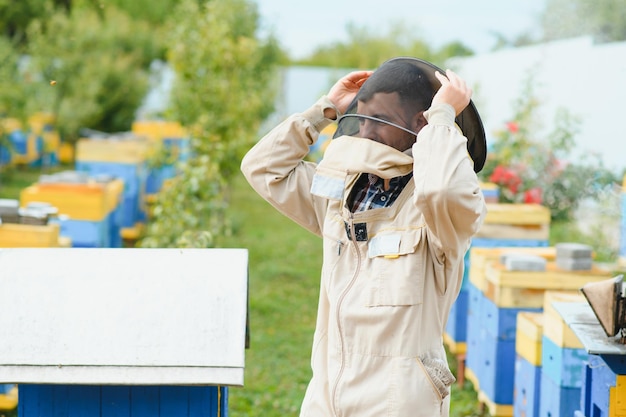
369	192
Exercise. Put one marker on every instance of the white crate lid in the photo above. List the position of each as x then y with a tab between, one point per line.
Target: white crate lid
123	316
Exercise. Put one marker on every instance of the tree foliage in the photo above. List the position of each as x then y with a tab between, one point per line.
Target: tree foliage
605	20
365	49
89	68
84	61
222	92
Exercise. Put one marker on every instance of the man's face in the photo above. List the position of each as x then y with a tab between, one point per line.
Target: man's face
387	106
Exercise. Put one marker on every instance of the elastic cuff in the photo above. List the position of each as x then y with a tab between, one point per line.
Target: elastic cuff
315	114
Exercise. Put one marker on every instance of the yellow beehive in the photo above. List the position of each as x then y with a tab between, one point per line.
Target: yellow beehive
9	400
52	141
29	236
495	409
121	150
617	397
480	257
516	221
528	337
157	130
66	153
454	347
91	201
40	120
527	288
555	327
32	151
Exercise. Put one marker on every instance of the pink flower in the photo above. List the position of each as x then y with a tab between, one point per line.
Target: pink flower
533	196
513	127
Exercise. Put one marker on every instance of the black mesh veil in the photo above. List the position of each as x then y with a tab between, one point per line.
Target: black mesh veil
414	80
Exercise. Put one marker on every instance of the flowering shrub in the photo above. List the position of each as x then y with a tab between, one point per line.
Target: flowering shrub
527	169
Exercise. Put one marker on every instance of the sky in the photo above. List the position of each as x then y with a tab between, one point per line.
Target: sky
302	26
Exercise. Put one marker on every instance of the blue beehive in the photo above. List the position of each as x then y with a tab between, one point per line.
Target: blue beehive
506	226
95	344
565	366
603	392
130	401
123	158
557	400
527	388
88	207
495	352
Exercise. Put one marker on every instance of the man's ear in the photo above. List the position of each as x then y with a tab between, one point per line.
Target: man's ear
418	122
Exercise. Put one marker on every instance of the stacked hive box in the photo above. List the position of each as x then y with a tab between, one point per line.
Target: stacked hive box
26	147
123	158
42	125
479	259
527	364
546	378
170	143
89	207
27	228
36	145
505	226
491	354
603	391
603	380
563	360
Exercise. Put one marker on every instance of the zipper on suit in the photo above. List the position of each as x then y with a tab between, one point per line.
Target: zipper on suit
338	313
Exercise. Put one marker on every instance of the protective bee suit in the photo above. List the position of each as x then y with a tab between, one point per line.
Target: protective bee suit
390	274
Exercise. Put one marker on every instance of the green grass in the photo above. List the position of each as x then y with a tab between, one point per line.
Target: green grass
284	264
13	180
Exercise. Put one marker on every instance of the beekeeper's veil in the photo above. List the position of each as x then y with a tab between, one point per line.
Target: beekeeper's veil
414	80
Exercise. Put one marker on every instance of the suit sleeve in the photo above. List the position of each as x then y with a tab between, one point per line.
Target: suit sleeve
448	191
276	169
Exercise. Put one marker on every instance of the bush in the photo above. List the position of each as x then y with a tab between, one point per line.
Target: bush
530	169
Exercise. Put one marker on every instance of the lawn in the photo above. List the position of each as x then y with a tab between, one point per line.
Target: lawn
284	269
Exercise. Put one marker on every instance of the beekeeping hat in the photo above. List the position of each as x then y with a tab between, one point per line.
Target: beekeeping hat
414	79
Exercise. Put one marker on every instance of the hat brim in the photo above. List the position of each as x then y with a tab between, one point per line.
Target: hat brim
468	120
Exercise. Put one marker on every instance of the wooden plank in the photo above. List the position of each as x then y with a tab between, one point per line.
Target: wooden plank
555	327
514	297
512	231
123	316
480	257
29	236
517	214
553	278
529	336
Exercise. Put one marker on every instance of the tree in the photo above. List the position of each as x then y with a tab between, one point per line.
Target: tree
365	50
605	20
222	93
97	63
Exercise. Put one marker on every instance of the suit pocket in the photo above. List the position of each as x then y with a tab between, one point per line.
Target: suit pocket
396	265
